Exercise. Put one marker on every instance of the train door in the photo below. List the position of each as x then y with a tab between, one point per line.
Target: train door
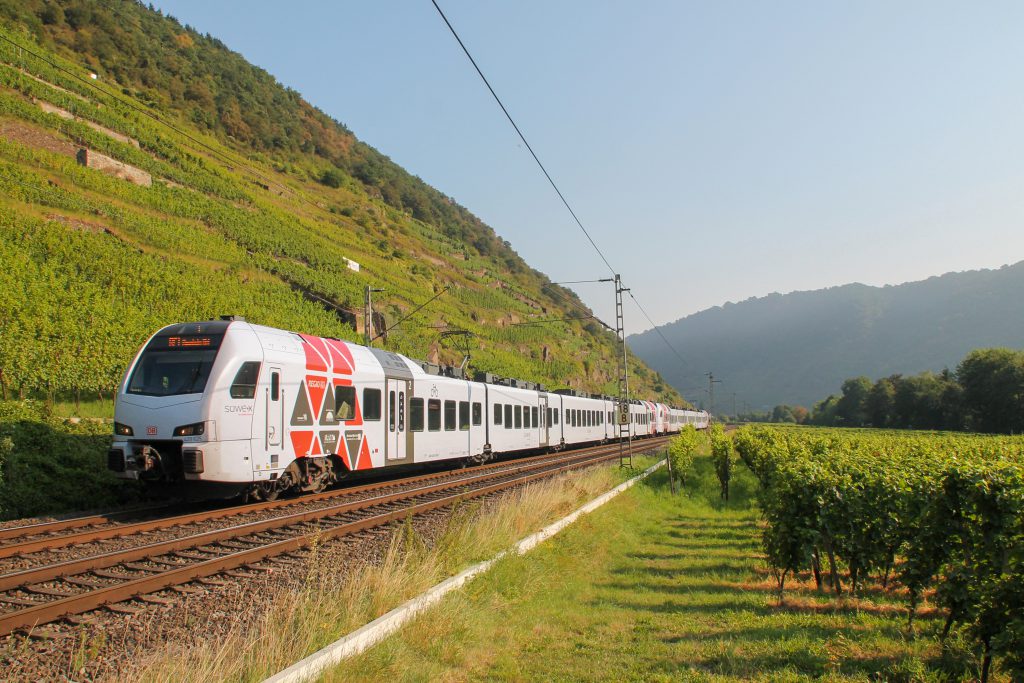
543	420
274	401
397	441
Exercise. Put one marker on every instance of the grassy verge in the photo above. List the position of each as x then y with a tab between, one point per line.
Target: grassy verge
50	465
338	599
658	588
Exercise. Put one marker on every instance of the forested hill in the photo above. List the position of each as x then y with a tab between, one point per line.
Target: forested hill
798	348
148	174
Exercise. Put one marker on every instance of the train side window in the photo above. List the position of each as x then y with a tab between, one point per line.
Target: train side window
497	413
344	402
275	386
536	419
508	416
519	417
416	414
244	384
434	415
478	414
463	415
391	411
556	415
549	417
371	404
449	416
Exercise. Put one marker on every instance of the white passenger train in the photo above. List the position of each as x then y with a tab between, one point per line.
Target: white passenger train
228	407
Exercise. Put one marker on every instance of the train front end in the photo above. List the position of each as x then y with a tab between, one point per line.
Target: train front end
167	428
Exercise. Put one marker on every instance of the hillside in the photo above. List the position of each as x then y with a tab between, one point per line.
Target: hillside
798	348
148	174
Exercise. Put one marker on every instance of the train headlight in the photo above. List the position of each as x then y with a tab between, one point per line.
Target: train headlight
123	430
194	429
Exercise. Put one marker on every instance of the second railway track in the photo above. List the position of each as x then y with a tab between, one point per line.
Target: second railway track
55	590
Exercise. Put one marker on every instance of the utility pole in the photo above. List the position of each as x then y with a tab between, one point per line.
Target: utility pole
368	316
622	406
734	414
711	392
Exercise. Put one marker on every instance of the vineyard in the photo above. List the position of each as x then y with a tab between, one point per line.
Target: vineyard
940	515
94	264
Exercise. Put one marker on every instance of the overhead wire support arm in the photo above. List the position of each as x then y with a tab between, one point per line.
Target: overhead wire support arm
412	313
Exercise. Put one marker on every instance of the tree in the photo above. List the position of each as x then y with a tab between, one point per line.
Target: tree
852	406
880	401
824	413
783	413
992	381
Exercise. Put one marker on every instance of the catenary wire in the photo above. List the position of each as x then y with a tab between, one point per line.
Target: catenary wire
522	137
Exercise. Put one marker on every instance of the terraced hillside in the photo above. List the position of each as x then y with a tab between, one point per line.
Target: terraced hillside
148	174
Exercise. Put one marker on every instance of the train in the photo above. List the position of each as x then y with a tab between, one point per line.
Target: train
227	407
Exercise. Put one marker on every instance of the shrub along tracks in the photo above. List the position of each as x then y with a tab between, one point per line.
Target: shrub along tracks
51	591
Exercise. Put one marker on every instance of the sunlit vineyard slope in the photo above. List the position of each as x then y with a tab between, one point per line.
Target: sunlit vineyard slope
148	174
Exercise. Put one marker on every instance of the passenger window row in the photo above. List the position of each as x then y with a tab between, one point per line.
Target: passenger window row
519	417
586	418
466	412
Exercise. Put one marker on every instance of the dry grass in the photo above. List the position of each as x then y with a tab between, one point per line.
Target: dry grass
339	597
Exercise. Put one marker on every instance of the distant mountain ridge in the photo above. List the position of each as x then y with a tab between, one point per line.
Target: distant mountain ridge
797	348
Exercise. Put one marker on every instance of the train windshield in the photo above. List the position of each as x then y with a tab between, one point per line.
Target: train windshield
173	365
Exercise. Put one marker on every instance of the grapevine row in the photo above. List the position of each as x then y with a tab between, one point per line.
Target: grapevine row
932	510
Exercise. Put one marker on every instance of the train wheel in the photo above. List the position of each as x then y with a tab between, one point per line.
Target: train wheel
266	491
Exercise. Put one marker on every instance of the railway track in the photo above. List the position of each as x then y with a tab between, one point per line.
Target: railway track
47	536
54	590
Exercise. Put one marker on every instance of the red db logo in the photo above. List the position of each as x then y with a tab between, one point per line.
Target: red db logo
151	430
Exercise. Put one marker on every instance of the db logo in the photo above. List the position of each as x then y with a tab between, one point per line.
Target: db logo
151	430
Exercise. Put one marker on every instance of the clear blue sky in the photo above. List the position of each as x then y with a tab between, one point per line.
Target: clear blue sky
715	150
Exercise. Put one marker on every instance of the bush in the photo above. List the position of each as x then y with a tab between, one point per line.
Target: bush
51	466
681	451
721	454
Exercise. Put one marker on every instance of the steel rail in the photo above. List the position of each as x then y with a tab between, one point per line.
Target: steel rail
91	599
13	532
121	530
